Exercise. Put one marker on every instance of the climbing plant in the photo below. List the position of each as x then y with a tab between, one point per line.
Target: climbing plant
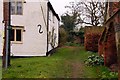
52	37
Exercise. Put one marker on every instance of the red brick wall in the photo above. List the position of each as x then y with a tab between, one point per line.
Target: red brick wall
107	42
101	43
5	10
113	7
110	47
107	45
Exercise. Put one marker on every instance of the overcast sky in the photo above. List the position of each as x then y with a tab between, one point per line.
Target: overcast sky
59	5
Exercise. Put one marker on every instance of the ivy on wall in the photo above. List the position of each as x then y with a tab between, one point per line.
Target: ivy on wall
52	37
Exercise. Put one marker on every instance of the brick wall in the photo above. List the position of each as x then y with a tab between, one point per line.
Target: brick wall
6	11
109	40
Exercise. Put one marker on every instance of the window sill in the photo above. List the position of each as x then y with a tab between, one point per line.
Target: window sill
16	42
17	14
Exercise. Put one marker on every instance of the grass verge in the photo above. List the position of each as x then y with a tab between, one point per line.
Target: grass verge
66	62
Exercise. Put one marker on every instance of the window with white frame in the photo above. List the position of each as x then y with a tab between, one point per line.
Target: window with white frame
16	34
16	7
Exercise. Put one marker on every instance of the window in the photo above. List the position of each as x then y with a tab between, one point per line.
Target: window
12	35
12	7
16	34
50	15
49	37
17	7
53	18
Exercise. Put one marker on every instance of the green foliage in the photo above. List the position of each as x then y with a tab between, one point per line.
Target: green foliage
79	34
70	37
94	60
62	36
68	22
109	75
71	44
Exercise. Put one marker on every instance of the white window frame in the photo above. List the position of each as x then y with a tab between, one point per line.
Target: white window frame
15	41
15	11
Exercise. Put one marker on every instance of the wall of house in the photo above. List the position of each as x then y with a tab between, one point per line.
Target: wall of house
34	43
110	51
53	24
1	27
118	40
57	31
109	46
112	8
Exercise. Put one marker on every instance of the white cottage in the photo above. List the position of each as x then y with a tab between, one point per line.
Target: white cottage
34	28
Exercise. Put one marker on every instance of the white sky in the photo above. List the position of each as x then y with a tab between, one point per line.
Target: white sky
59	5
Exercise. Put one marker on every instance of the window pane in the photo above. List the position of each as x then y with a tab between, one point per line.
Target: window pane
53	18
49	15
12	7
19	7
18	34
12	35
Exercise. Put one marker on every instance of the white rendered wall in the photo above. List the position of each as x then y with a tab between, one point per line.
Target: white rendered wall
57	31
53	24
34	44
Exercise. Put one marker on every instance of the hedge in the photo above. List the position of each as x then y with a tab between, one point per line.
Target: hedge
91	41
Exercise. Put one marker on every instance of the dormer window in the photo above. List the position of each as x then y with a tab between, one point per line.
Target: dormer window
16	7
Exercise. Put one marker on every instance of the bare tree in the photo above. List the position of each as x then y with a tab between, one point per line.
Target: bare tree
74	11
90	12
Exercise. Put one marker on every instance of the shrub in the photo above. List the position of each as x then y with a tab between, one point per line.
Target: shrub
94	60
109	75
91	41
78	36
92	35
72	44
62	36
